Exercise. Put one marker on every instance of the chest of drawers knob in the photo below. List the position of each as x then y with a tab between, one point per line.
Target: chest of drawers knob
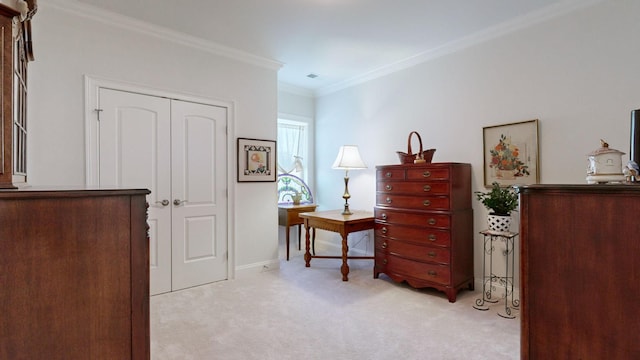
426	203
431	254
432	273
431	221
388	200
388	187
388	174
384	245
384	230
427	188
383	216
426	174
432	237
384	261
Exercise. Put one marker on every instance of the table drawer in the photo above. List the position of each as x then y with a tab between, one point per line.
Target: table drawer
413	187
439	274
433	220
428	174
413	202
419	235
412	251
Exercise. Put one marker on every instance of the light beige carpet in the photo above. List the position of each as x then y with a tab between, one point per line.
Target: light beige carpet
310	313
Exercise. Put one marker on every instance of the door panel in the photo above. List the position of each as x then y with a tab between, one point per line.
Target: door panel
199	186
135	151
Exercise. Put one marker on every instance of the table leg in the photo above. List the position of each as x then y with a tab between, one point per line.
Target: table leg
345	250
299	235
307	255
313	241
287	240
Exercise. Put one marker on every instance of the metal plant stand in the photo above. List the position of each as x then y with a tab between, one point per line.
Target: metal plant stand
492	282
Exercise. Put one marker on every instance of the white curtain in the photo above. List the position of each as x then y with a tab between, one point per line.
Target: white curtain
292	149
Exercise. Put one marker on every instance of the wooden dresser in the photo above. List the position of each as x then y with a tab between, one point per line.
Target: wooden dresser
424	225
74	274
579	271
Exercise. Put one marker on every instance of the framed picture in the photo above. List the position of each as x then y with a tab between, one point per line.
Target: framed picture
511	153
256	160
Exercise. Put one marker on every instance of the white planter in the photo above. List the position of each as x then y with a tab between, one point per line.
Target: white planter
499	223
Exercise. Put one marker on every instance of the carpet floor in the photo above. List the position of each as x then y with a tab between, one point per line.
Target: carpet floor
310	313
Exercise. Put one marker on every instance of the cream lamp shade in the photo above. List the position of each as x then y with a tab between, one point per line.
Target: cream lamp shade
349	158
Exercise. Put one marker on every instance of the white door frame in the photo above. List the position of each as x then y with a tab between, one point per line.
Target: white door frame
91	86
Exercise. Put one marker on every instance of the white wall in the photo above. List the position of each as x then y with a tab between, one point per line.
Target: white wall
68	46
579	74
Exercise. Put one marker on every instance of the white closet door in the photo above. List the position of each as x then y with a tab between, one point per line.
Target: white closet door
178	150
135	151
199	220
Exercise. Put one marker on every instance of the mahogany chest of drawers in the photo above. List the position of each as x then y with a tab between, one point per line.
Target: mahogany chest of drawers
424	225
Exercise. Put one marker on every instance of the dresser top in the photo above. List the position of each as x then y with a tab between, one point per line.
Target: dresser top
68	191
580	188
424	165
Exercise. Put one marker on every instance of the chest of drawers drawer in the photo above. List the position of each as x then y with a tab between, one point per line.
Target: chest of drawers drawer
412	251
435	220
419	235
427	174
431	272
413	202
412	187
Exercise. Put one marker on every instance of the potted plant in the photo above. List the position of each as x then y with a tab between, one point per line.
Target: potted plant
500	201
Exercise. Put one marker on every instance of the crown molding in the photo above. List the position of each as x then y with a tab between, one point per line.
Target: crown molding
99	15
295	90
549	12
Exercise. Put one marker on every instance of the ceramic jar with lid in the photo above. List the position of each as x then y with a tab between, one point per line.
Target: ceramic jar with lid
605	165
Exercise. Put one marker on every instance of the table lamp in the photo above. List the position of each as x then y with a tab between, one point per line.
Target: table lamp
348	159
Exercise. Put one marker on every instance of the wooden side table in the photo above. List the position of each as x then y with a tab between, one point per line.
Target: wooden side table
333	220
288	216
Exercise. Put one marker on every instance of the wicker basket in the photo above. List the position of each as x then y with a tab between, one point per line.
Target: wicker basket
421	157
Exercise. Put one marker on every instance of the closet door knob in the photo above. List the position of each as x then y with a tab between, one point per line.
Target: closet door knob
164	202
177	202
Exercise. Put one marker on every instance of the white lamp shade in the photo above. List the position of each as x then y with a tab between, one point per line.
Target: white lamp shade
349	158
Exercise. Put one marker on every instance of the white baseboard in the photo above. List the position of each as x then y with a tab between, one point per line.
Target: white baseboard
256	268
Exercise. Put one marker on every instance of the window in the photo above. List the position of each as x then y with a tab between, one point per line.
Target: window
293	148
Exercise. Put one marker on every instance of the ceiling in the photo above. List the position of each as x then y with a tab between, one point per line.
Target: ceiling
338	40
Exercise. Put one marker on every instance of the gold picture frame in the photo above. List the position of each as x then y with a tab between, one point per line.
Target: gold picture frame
511	155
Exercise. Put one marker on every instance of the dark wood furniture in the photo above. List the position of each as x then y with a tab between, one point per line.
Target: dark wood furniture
333	220
424	225
16	51
74	274
288	216
579	271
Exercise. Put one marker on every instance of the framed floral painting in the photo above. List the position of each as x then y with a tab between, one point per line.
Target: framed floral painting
256	160
511	153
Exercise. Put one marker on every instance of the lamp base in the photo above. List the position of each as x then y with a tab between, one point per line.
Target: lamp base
346	196
346	210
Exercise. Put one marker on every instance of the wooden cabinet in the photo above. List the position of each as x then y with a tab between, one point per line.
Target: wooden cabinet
424	225
579	271
16	51
74	274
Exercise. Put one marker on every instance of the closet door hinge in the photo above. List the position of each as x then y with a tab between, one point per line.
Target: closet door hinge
98	111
